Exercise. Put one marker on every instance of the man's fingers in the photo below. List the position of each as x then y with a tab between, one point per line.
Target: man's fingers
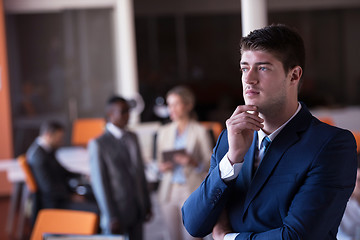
238	128
239	125
245	116
243	108
245	120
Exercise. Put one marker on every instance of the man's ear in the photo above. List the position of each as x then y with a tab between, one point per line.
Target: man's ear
296	74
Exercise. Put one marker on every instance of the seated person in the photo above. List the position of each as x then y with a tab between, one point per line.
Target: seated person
349	228
53	180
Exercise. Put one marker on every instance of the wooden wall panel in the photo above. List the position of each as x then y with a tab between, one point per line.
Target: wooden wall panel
6	144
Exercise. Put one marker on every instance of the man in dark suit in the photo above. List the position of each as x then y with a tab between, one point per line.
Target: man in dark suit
277	172
117	175
52	179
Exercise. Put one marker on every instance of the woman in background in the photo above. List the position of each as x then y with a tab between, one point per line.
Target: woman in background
188	145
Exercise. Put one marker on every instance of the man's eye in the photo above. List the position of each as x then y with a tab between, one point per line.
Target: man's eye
244	69
262	68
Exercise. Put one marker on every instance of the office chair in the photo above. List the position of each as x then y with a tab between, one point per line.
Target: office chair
357	138
214	127
327	119
63	221
84	129
29	178
29	195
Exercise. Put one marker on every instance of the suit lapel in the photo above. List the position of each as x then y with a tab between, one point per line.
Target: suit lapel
169	140
286	138
118	150
246	169
130	149
191	138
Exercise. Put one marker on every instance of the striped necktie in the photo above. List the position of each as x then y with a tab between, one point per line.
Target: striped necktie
263	148
266	142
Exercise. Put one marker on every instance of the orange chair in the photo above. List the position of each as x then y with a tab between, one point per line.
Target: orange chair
85	129
357	138
61	221
215	127
327	120
28	194
29	178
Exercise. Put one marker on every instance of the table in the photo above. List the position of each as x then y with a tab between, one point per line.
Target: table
74	159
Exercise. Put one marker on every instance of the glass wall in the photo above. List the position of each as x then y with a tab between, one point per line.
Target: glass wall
61	67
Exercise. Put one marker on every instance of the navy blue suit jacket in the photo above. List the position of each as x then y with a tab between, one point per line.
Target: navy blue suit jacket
299	191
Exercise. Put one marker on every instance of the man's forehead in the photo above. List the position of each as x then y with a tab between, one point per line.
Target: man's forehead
257	57
120	105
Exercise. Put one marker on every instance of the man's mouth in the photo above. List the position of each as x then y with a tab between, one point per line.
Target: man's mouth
251	92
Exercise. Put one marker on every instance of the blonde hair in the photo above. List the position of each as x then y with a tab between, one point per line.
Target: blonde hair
186	95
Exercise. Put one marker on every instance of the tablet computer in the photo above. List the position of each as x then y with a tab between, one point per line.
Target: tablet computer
168	156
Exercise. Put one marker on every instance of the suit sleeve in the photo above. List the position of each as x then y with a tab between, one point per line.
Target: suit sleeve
68	175
315	210
45	180
320	202
100	181
202	209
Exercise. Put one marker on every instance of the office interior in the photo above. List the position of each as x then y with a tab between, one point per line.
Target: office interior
62	61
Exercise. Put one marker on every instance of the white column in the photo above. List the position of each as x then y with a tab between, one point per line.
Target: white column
125	53
253	15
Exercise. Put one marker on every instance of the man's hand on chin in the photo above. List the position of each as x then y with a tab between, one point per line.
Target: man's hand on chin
222	227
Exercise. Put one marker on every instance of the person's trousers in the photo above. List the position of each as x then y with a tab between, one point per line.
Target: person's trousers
171	212
136	232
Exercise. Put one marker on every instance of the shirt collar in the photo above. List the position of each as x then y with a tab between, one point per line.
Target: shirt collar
262	135
114	130
42	143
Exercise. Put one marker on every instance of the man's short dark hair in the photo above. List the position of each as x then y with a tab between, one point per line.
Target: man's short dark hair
112	100
281	41
116	99
51	127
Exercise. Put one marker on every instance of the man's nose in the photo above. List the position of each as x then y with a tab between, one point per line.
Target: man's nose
250	77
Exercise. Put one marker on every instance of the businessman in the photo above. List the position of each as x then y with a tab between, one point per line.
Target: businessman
277	172
117	175
52	179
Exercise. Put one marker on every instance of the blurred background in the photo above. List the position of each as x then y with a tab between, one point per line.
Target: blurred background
64	58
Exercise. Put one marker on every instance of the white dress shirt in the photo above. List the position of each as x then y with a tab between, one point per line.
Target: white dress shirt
229	172
42	143
114	130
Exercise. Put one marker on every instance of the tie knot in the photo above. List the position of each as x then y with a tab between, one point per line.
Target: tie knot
266	142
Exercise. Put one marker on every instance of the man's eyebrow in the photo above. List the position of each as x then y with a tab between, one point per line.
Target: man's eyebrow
257	63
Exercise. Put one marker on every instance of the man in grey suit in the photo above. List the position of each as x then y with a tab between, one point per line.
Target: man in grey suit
117	175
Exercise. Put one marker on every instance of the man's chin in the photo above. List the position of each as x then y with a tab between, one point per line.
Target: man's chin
251	102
